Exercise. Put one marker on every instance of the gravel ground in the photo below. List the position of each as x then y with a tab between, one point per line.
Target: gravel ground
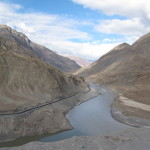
129	139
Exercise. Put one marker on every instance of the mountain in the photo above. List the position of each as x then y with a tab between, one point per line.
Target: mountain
28	81
34	95
126	70
80	61
104	62
123	65
32	49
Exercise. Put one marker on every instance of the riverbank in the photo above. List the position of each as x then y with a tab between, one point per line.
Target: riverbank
93	117
112	134
47	119
130	112
128	139
130	106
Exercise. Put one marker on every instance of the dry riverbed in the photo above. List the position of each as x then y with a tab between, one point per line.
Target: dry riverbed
131	112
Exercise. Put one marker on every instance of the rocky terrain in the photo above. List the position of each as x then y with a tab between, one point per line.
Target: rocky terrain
126	70
25	80
16	41
129	139
27	84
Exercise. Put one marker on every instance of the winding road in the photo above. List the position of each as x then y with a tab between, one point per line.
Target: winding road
38	106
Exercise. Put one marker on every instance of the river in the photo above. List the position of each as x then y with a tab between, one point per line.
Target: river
91	118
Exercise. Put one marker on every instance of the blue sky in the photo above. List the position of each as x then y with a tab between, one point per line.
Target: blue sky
86	28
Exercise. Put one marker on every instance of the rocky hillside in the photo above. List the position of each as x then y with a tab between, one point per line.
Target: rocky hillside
126	69
32	49
104	62
28	83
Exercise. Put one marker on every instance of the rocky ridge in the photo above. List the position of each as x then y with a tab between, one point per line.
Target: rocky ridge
29	48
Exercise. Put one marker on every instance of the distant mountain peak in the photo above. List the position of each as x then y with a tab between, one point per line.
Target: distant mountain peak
121	46
144	37
13	33
20	44
79	60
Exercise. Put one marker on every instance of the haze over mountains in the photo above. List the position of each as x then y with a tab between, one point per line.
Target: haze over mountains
32	49
80	61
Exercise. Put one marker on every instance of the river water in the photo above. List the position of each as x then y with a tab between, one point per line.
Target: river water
91	118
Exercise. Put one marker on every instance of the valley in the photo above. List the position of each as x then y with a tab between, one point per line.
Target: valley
126	71
40	96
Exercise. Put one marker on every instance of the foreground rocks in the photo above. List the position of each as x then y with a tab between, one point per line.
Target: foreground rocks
129	139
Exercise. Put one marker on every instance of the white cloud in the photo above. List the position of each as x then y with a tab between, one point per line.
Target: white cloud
137	13
39	24
128	8
9	7
129	28
56	32
86	50
52	31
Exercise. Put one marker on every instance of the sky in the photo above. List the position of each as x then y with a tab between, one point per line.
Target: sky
85	28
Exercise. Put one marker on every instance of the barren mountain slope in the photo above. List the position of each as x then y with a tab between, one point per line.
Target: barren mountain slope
126	69
105	61
36	50
27	83
25	80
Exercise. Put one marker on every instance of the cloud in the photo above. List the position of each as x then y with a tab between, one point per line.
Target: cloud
129	28
58	32
57	27
53	31
128	8
9	7
137	13
87	50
